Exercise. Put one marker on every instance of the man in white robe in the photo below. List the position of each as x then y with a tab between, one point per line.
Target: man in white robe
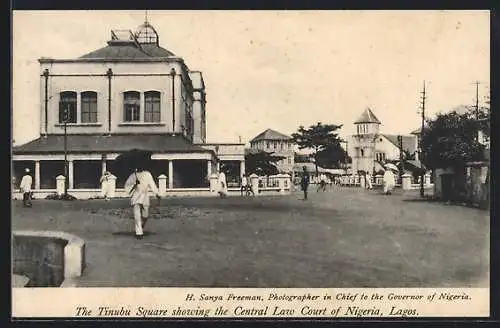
138	186
105	187
389	181
25	187
222	185
368	178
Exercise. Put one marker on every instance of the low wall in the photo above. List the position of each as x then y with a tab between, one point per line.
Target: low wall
47	258
20	281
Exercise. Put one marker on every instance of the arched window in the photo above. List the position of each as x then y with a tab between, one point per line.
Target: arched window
89	107
152	106
131	106
67	107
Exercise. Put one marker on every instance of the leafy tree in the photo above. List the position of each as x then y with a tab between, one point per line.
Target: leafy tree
331	157
451	139
262	162
323	140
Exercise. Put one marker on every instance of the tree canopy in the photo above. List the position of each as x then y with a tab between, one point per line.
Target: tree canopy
262	162
451	139
323	140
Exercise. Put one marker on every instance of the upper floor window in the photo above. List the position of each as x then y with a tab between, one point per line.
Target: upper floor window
131	106
268	145
362	152
380	157
89	107
67	107
152	106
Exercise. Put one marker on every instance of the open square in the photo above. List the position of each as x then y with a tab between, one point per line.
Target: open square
345	237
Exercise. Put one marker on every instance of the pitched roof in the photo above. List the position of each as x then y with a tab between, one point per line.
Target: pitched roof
367	117
409	143
128	50
270	134
160	143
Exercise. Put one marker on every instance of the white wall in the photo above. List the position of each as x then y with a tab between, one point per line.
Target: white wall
119	84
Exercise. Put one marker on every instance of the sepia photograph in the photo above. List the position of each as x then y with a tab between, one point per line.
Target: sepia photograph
250	149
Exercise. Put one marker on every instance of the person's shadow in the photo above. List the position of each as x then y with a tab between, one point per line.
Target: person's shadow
132	233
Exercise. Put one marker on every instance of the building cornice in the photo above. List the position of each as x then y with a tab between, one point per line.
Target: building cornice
117	60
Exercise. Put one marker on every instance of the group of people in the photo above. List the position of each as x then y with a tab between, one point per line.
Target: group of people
245	185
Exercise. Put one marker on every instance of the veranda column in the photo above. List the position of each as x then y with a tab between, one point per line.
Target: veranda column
242	168
78	107
170	174
37	174
209	169
218	166
70	175
103	166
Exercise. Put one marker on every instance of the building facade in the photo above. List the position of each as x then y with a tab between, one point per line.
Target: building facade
279	144
132	93
370	149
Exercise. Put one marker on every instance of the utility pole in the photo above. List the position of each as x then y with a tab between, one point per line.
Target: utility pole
476	106
401	158
422	110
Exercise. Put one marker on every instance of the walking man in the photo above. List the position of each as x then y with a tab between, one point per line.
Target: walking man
244	185
304	183
322	182
25	187
222	185
138	185
368	178
389	181
105	185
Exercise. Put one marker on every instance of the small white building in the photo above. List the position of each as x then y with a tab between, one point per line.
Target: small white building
131	93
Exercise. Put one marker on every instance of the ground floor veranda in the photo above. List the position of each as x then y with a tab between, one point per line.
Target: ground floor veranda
174	173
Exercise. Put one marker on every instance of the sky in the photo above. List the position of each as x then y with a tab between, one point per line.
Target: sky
281	69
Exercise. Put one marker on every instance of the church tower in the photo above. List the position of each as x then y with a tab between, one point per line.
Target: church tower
367	130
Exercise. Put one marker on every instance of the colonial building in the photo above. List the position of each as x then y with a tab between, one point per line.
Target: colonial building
370	149
132	93
278	143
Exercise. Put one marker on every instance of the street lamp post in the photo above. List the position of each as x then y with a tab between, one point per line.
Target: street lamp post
66	168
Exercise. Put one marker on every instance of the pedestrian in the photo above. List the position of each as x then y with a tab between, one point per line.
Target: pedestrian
322	183
105	185
244	185
368	183
222	184
138	186
25	187
389	181
304	182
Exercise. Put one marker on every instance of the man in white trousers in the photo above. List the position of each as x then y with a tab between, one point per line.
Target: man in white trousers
105	185
25	187
138	186
222	185
389	181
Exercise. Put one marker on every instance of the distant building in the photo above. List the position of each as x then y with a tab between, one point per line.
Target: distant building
279	144
370	149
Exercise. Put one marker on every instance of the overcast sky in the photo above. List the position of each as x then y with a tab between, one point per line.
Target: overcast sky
281	69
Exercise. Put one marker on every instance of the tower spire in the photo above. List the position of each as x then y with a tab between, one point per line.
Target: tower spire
146	17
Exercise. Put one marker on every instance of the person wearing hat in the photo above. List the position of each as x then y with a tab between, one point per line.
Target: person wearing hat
25	187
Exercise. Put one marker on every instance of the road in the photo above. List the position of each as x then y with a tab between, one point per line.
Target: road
345	237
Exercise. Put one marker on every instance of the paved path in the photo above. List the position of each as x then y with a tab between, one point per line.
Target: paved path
341	238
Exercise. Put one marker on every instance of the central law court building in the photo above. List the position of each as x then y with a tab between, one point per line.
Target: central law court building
132	93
